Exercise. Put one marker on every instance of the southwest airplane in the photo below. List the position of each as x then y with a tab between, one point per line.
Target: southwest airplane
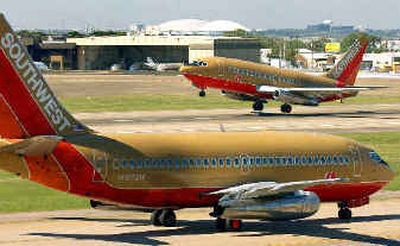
259	175
259	83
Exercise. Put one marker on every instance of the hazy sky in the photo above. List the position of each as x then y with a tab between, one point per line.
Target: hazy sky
251	13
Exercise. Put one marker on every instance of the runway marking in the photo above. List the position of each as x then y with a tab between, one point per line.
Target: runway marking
122	120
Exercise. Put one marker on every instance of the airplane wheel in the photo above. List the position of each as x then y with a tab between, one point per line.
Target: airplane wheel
235	225
202	93
286	108
155	218
344	214
220	224
168	218
258	106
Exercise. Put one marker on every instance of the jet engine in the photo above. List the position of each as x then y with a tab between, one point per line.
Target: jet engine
290	98
297	205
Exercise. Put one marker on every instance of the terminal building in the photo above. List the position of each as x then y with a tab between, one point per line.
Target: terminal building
178	41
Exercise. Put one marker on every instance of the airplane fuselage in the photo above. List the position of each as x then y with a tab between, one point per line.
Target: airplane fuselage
243	77
177	170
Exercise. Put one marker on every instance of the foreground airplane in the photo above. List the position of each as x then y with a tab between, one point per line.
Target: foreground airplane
256	82
258	175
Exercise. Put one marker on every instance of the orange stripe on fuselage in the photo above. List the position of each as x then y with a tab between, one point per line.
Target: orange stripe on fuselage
47	171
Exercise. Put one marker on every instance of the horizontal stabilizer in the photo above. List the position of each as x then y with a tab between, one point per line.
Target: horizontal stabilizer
35	146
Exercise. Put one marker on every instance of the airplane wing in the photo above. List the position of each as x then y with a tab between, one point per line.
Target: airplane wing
272	89
35	146
265	189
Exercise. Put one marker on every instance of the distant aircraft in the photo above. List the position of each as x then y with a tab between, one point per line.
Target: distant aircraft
151	64
255	175
243	80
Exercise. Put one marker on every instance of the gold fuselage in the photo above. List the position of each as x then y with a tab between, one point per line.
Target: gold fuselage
215	160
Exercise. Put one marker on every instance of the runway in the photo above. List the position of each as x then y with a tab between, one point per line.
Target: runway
375	224
342	118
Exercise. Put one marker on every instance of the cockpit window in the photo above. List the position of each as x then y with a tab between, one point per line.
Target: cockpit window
375	157
198	64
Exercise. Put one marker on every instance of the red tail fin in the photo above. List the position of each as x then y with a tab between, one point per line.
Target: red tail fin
346	70
28	107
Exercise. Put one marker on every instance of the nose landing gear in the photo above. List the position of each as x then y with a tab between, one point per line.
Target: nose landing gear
202	93
258	106
344	211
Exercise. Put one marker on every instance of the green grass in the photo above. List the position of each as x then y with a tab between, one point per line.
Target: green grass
387	144
152	102
21	195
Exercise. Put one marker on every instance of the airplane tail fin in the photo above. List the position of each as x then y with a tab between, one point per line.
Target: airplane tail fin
28	107
346	70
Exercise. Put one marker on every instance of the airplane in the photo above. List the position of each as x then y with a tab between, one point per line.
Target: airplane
160	67
240	175
249	81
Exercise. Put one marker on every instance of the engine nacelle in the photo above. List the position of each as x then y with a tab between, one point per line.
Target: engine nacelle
298	205
290	98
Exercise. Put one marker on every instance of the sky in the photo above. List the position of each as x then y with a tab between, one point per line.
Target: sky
257	14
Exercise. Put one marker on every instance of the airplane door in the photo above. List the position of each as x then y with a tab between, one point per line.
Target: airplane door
99	162
355	160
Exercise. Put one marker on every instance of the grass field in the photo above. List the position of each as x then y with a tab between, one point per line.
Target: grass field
213	100
20	195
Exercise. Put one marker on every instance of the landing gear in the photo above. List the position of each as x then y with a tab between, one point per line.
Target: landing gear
224	224
202	93
258	106
164	217
344	211
286	108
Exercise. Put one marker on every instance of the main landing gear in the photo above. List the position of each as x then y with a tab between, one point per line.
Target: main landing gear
286	108
258	106
163	217
222	224
202	93
344	211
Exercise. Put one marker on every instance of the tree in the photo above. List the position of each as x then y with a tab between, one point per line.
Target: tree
374	42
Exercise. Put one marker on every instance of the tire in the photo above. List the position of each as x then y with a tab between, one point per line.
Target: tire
344	214
286	108
202	93
168	218
155	218
258	106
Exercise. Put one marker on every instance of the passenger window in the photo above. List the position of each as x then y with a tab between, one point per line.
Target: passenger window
221	163
237	163
139	163
206	163
228	162
214	162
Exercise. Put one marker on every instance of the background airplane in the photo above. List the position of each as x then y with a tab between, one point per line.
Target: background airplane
254	175
243	80
153	65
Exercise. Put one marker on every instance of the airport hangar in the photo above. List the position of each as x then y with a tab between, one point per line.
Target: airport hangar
99	53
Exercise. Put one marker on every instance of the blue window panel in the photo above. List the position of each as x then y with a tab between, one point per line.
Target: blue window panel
304	160
244	161
168	163
323	160
252	162
199	164
206	163
237	162
335	160
214	162
329	160
289	161
147	163
228	162
265	161
316	160
277	161
311	161
296	161
184	163
156	163
139	163
346	160
221	163
191	163
258	161
177	163
283	160
162	164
